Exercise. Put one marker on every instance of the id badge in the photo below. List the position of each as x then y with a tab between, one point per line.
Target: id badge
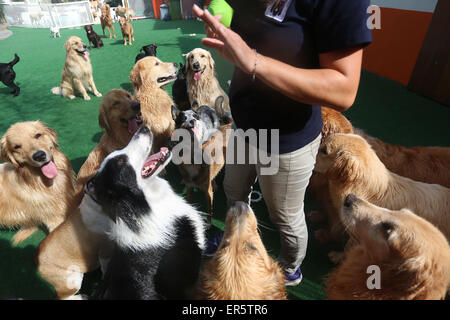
277	13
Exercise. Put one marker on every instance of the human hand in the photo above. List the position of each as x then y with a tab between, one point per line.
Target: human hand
226	42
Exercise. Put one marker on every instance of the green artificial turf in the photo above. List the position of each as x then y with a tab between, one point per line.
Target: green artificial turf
383	109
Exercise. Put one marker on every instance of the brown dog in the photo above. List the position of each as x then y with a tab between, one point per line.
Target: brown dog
351	166
202	175
425	164
127	31
148	76
36	180
412	256
72	250
107	21
202	85
241	269
77	71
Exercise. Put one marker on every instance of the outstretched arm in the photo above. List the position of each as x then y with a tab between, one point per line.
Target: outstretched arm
334	85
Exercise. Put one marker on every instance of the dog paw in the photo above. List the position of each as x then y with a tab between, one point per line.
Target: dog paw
97	94
316	216
71	97
336	257
87	98
322	235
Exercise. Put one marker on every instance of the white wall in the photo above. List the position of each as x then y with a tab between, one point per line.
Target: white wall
415	5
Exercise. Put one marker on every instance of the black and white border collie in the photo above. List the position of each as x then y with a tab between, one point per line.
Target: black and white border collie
158	236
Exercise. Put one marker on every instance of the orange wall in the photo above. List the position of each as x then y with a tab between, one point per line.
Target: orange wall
397	44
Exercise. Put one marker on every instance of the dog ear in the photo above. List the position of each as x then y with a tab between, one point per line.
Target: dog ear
211	62
187	64
53	135
103	120
345	168
135	76
195	106
5	155
175	112
67	45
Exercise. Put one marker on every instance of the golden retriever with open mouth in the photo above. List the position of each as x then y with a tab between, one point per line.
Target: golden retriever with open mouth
36	180
351	166
413	256
241	269
72	250
202	85
149	75
77	72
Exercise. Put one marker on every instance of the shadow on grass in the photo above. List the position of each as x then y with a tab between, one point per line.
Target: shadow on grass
18	275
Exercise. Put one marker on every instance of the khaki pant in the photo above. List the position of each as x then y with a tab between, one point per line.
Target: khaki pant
283	193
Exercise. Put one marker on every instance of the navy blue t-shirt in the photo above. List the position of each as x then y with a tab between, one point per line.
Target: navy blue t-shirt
309	28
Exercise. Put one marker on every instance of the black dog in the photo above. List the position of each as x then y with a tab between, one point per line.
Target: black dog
179	90
158	236
147	51
7	75
93	37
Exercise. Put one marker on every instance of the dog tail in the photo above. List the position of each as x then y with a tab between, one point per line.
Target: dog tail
57	91
225	116
23	234
16	59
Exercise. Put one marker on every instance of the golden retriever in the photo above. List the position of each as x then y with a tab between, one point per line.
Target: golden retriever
351	166
37	180
72	250
413	257
148	76
127	31
77	71
202	85
107	21
120	117
425	164
241	269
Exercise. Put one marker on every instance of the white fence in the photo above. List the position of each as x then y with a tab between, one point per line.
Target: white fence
45	15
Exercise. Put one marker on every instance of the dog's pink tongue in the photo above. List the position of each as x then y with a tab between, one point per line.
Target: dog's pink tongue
49	170
132	125
86	53
197	76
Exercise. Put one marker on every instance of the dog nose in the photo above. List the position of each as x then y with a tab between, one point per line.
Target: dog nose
196	65
350	200
144	130
136	106
39	156
84	47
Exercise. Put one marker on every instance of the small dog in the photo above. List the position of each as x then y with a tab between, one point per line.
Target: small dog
202	84
179	90
209	140
77	71
412	255
7	75
155	231
72	246
146	51
351	166
203	122
93	37
241	269
106	21
148	76
126	13
37	180
127	31
54	32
